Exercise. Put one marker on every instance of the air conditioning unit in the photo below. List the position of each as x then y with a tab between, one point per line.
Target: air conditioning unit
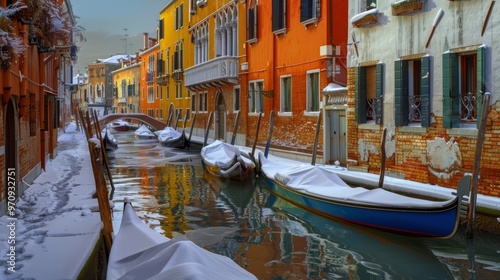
201	3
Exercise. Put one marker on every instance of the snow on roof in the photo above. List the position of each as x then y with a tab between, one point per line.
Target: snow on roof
115	59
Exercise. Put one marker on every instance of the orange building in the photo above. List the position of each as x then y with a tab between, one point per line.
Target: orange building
34	72
289	60
149	100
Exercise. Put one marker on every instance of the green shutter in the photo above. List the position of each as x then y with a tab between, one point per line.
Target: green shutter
481	66
360	98
379	94
451	94
401	92
425	92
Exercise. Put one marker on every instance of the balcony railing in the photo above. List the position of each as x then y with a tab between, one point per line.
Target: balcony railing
220	70
122	100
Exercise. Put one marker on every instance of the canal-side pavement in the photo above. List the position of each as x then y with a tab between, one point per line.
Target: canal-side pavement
57	225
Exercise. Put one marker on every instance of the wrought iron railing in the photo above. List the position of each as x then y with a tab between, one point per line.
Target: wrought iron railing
414	114
468	113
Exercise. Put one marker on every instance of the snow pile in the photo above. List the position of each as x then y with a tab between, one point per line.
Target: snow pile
55	230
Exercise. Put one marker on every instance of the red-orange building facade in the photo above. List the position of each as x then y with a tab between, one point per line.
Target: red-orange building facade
289	60
30	83
149	96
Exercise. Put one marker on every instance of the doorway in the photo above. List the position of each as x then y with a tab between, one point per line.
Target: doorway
336	136
220	116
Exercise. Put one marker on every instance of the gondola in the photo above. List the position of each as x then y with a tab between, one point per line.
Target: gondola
139	252
322	191
226	161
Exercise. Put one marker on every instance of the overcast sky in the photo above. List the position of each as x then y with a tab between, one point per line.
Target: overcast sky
105	22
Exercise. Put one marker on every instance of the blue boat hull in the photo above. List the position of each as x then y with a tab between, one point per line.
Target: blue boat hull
440	222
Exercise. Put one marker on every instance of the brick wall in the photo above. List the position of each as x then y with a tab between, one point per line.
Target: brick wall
410	157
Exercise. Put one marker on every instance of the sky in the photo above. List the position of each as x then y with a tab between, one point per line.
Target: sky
105	22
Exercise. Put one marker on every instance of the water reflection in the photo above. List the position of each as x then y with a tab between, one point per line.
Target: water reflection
272	238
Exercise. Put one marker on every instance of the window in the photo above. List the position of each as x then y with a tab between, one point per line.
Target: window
310	11
203	107
178	91
192	6
167	61
279	16
200	36
178	19
255	92
236	99
286	94
368	4
193	102
252	23
463	87
312	91
151	69
177	57
123	89
369	94
160	29
151	95
226	35
412	92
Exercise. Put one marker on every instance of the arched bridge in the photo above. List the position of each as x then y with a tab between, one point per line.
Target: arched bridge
158	125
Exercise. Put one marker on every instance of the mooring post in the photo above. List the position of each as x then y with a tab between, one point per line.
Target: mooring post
477	163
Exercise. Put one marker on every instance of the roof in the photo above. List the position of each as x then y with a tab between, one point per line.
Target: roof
115	59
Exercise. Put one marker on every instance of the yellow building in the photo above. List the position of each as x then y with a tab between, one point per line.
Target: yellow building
212	77
175	45
126	81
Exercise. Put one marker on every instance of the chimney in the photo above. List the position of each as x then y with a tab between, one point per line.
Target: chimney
137	59
146	41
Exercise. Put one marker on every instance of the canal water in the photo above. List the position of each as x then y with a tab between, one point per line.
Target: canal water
272	238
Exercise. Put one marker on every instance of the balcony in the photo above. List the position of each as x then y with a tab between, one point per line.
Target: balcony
367	18
122	100
216	72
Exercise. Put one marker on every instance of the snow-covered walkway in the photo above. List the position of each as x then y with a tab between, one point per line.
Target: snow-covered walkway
55	230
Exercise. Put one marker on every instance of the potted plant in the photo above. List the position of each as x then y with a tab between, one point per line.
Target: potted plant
402	7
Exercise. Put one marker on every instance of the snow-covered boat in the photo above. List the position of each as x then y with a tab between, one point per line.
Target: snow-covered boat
170	137
143	132
322	191
119	125
226	161
139	252
109	141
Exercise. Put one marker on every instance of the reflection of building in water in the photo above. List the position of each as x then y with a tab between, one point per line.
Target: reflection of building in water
173	187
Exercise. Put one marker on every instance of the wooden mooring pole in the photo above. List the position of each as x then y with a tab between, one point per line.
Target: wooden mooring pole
316	136
477	164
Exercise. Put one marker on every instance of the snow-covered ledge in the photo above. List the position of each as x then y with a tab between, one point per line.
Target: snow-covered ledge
365	18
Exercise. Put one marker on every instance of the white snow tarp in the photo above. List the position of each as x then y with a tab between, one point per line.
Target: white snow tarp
139	252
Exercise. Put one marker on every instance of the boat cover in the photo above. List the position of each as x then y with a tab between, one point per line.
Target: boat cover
143	131
168	133
319	181
139	252
223	155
